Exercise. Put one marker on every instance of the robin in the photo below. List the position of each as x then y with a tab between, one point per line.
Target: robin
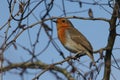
72	39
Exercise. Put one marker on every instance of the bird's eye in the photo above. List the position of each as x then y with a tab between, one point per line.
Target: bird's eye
63	21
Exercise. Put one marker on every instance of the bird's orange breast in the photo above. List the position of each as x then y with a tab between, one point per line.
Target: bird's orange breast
62	35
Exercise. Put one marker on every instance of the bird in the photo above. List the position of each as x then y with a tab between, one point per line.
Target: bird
90	13
72	39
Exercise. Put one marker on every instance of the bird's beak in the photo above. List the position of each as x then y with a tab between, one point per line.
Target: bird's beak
54	21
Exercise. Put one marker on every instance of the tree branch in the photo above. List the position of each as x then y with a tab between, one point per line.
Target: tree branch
38	65
110	44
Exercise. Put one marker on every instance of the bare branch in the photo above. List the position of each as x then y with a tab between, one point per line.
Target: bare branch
111	40
39	65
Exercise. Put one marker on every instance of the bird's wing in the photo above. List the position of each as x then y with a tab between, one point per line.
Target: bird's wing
79	38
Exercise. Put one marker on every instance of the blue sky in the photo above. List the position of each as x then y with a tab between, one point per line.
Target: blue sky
95	31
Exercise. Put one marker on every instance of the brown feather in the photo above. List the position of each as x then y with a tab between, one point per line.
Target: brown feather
80	39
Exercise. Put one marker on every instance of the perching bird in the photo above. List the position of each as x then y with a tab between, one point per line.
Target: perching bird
90	13
72	39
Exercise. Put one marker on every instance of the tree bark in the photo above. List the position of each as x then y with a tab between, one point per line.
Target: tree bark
110	44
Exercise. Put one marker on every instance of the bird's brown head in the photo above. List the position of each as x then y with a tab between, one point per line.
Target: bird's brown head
63	23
